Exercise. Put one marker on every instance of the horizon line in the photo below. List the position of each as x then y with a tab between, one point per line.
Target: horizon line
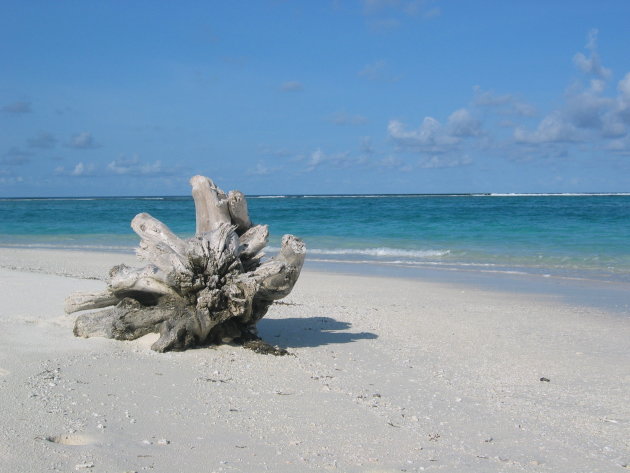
337	195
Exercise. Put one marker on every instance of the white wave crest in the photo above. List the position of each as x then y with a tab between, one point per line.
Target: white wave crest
564	194
380	252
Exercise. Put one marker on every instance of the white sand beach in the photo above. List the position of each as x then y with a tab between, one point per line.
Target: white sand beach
386	375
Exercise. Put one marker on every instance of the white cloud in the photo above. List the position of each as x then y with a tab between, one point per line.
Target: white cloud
366	146
554	128
619	146
591	118
430	136
11	180
83	169
462	123
259	170
613	127
83	140
623	99
79	170
489	98
134	167
523	109
438	162
624	88
440	146
587	113
391	161
319	157
586	109
592	64
598	85
507	104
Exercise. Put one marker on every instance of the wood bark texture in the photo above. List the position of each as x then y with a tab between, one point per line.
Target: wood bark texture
211	288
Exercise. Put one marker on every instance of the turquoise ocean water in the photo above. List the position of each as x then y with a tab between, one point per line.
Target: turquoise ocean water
577	236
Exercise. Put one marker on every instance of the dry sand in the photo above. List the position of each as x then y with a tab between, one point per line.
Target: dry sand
388	375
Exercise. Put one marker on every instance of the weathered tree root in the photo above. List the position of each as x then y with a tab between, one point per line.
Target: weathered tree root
211	288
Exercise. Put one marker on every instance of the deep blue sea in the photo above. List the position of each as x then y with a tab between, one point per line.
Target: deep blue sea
581	236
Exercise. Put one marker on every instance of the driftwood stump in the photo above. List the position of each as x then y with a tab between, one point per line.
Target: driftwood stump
211	288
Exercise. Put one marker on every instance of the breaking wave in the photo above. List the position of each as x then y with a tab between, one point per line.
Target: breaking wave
382	252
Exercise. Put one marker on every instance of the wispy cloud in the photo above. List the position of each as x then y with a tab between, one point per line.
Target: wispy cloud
15	157
382	25
343	118
620	146
589	117
378	71
10	180
406	7
592	64
274	151
430	136
366	146
17	108
43	140
291	86
393	162
439	146
586	114
438	162
384	15
462	123
506	104
554	128
622	106
83	140
260	169
318	158
132	166
79	170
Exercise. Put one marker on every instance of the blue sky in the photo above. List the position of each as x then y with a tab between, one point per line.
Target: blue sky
328	96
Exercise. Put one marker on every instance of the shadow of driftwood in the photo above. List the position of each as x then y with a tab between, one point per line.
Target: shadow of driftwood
297	332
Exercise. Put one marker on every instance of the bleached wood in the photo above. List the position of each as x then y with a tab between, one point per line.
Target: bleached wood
253	241
277	277
210	288
89	300
211	205
149	279
155	232
239	213
165	258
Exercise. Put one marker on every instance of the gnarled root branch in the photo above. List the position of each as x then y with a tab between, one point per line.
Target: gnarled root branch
211	288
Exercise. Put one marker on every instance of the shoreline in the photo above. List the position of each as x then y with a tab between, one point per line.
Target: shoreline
388	375
609	295
613	296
